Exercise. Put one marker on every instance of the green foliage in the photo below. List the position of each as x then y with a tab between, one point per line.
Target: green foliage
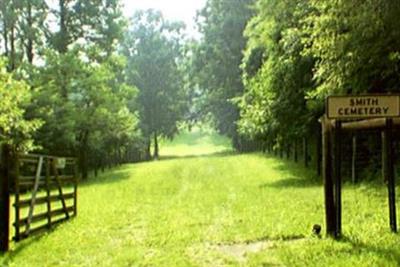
276	74
217	59
153	50
15	129
190	211
94	23
86	112
76	80
299	52
355	44
23	28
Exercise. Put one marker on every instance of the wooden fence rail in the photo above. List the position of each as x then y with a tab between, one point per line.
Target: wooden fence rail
45	190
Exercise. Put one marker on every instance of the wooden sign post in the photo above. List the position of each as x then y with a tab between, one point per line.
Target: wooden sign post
371	112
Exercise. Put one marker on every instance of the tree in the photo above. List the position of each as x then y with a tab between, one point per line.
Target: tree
94	112
218	57
15	128
96	22
23	27
277	75
153	48
356	46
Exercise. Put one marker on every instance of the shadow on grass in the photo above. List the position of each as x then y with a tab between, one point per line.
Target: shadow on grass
7	257
125	171
361	247
208	155
294	175
294	182
114	175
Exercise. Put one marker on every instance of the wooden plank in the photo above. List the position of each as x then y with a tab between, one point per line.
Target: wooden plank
45	199
368	124
41	229
32	155
4	198
34	193
42	216
29	177
29	160
60	191
76	190
28	184
43	178
34	231
48	194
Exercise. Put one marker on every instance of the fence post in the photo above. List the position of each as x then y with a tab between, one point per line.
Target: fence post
4	198
336	150
75	189
330	215
389	174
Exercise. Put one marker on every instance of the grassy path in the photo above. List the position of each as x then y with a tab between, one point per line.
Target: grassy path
217	210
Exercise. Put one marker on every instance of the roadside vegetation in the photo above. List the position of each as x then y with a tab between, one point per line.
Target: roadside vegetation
79	79
213	210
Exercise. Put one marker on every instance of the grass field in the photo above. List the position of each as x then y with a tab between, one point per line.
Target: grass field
220	209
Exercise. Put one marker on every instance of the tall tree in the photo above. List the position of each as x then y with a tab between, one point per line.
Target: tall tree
15	128
95	23
276	73
356	44
153	48
22	24
218	58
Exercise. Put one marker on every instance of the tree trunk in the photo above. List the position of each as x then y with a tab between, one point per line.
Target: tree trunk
288	151
63	35
305	152
119	154
353	159
155	146
83	155
12	46
5	37
29	45
148	154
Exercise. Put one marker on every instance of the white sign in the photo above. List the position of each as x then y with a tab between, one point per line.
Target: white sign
60	163
365	106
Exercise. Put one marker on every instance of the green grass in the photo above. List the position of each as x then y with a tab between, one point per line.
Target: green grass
196	143
179	211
